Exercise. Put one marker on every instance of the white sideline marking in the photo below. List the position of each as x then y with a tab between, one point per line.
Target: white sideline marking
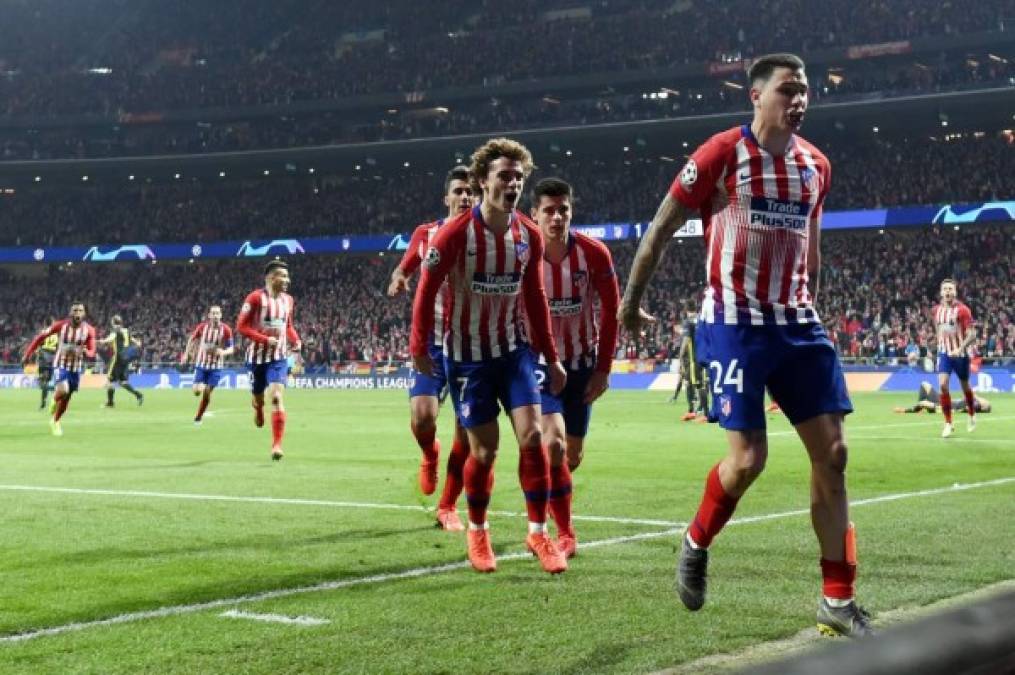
850	428
176	610
958	437
303	502
275	618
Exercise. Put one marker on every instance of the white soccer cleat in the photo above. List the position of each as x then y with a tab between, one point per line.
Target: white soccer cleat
55	428
948	430
971	424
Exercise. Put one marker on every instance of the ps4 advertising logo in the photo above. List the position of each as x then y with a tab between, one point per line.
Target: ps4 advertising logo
290	246
947	214
136	251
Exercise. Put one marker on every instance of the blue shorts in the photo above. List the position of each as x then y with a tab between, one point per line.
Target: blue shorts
953	364
263	374
476	387
570	402
431	385
208	376
72	378
797	363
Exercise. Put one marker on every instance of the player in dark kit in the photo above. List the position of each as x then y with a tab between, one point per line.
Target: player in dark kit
760	189
44	358
119	340
692	374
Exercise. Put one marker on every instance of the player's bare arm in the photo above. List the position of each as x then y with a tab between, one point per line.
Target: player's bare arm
399	282
670	217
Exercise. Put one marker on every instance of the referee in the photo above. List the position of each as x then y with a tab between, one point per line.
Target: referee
119	340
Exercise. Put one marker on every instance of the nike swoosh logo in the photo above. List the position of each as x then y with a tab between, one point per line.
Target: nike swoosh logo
744	176
470	253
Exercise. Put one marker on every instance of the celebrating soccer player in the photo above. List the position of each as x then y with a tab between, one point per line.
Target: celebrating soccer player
490	257
76	342
266	319
759	189
209	343
427	390
581	286
955	333
119	339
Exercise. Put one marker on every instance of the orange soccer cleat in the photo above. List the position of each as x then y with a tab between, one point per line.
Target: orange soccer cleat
550	557
428	470
480	551
448	520
687	417
567	542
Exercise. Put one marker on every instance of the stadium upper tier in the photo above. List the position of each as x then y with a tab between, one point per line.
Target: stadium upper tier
874	296
229	53
625	187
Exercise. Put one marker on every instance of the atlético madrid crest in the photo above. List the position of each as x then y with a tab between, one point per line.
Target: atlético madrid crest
725	405
522	252
809	177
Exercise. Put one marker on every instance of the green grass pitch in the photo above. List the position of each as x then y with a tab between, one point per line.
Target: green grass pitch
132	526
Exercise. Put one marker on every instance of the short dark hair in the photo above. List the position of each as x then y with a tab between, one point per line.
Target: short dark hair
275	265
551	187
460	172
764	66
117	320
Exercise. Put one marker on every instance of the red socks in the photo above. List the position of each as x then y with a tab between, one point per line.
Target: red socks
970	402
715	511
534	474
425	439
560	496
838	578
61	405
454	481
277	426
478	480
946	406
202	406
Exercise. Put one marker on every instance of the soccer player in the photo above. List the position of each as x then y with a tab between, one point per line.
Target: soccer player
490	257
209	343
581	287
44	358
759	189
266	319
76	341
697	405
427	391
119	339
955	333
928	401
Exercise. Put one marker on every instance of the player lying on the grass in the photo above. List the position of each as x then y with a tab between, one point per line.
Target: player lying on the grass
955	334
490	257
428	391
581	287
266	319
119	340
76	343
928	401
759	189
208	345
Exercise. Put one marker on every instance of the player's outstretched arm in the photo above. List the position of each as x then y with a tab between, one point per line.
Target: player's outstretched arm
37	340
670	217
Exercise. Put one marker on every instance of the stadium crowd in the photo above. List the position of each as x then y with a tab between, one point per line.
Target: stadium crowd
873	174
863	79
229	54
875	297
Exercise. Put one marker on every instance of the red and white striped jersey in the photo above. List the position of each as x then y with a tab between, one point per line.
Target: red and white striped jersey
264	316
583	296
210	337
952	323
488	275
419	244
75	343
757	209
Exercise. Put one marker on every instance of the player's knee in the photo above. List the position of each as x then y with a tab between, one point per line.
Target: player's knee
529	438
834	461
556	449
750	463
423	419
